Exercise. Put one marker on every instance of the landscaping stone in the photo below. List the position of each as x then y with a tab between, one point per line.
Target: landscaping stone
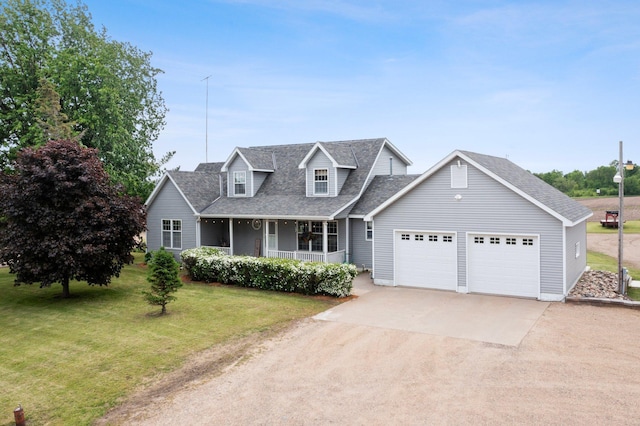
598	284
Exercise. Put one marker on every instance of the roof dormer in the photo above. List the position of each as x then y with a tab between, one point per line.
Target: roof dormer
327	167
246	169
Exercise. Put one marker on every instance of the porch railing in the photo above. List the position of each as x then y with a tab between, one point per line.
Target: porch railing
227	250
309	256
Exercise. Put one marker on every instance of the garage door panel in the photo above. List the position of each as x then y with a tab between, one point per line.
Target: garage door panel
426	259
507	265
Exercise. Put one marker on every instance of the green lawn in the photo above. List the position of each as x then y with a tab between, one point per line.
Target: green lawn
602	262
68	361
630	227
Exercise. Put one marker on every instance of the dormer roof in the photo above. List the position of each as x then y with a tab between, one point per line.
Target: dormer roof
257	160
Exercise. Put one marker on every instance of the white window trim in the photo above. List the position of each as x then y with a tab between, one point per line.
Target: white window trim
368	226
320	194
578	249
233	183
170	231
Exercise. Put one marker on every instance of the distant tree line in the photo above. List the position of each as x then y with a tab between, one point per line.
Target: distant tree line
593	183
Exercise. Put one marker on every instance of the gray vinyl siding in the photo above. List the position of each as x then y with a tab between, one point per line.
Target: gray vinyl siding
342	234
214	232
486	206
381	167
169	204
238	165
287	237
258	179
576	265
343	174
320	161
360	248
244	238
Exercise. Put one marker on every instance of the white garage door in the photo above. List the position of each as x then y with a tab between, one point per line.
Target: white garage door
504	264
426	259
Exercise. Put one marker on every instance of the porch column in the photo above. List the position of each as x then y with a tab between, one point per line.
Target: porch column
231	235
325	239
198	232
265	238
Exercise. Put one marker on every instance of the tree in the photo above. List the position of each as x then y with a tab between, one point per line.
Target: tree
106	90
63	219
164	278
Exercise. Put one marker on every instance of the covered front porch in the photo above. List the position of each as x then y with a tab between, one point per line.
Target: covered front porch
301	239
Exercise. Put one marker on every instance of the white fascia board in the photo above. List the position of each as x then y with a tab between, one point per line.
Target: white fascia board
156	189
544	207
396	151
409	187
268	217
236	151
312	151
161	184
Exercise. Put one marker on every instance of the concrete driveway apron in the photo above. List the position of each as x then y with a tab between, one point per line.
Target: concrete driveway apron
491	319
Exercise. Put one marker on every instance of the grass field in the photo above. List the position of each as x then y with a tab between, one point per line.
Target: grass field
630	227
67	361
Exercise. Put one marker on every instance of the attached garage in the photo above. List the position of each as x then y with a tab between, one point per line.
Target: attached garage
495	228
504	264
426	259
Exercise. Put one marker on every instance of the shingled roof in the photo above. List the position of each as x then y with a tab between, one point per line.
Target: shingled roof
531	185
513	176
380	190
283	193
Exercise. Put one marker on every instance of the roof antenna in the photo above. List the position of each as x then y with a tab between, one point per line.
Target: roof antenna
206	123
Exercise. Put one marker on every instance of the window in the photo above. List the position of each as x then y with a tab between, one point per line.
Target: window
578	249
510	241
172	233
494	240
369	232
321	181
478	240
240	183
447	238
419	237
316	229
405	237
433	238
310	236
527	241
332	237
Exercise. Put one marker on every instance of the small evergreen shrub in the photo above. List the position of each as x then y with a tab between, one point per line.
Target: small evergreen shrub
211	265
164	276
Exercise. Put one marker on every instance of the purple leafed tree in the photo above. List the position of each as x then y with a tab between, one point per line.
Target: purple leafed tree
62	219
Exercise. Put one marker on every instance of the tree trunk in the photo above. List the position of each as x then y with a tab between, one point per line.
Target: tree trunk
65	288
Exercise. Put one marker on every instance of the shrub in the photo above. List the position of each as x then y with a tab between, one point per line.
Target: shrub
211	265
164	277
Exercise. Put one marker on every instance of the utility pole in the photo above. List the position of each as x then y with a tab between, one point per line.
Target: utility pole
206	124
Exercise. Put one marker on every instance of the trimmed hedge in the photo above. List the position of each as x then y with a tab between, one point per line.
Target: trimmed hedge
212	265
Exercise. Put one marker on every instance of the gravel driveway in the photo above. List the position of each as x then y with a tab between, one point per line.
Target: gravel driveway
578	365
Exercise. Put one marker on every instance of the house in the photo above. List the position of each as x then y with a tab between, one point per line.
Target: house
289	201
472	223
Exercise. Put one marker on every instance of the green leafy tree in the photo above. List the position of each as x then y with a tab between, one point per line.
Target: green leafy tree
164	278
63	219
106	90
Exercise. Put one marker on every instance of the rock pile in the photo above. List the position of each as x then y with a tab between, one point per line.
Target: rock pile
599	284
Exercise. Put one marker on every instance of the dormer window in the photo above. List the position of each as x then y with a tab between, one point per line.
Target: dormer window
321	182
240	183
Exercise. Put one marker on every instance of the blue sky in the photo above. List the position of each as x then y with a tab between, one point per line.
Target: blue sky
548	84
